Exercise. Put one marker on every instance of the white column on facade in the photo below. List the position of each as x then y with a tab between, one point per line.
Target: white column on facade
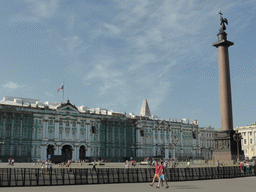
56	129
70	131
74	153
44	129
167	153
77	152
89	152
248	140
78	131
64	131
181	142
56	151
43	152
87	131
59	150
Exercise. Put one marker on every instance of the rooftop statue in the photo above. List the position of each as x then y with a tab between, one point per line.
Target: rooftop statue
222	22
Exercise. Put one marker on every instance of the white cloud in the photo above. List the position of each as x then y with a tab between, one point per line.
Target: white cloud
69	46
44	8
111	29
48	94
12	85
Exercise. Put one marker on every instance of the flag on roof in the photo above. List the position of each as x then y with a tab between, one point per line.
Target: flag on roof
62	87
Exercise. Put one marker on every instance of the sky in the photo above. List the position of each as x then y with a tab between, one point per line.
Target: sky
115	53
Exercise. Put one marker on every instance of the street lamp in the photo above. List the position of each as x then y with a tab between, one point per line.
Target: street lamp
237	137
175	141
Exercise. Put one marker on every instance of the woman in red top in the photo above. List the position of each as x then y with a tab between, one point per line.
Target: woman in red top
156	173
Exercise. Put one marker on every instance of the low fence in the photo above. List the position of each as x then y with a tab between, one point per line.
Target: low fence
16	177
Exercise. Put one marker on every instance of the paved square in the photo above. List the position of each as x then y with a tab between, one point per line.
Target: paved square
225	185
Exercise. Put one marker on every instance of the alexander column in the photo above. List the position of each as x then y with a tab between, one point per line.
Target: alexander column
225	146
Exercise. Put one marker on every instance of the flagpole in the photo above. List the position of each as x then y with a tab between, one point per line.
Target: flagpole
63	92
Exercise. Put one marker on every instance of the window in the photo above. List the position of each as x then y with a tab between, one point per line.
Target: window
60	123
74	124
82	124
251	141
25	132
60	134
82	135
40	122
67	134
67	123
16	133
244	133
39	134
250	133
51	122
50	134
74	135
244	141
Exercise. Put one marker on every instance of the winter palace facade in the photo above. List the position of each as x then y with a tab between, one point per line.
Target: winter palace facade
32	130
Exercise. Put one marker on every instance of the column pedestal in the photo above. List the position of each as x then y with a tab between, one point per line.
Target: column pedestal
226	147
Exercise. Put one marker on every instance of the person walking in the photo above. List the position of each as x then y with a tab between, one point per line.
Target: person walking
188	164
94	165
156	176
241	166
162	176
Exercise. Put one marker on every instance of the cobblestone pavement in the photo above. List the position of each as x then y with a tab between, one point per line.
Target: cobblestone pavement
225	185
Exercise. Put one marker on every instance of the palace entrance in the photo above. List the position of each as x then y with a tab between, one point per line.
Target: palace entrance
50	151
82	152
67	152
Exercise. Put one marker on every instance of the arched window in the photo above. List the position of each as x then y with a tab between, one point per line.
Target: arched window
67	123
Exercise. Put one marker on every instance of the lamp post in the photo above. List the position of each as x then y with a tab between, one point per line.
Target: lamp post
175	141
237	137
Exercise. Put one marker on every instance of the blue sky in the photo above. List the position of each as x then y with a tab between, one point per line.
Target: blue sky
115	53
